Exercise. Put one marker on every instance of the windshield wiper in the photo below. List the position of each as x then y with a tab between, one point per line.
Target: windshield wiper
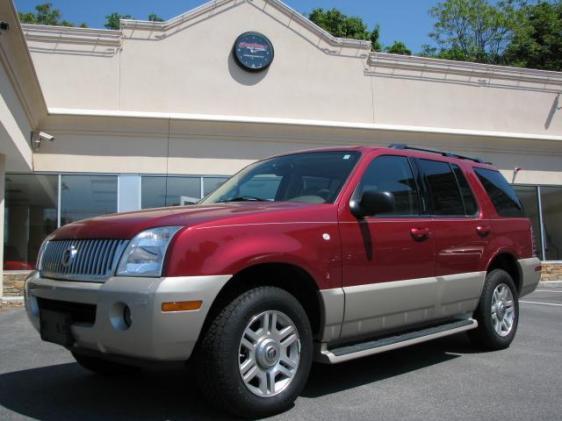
245	199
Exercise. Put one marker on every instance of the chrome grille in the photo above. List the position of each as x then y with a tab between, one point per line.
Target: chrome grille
94	260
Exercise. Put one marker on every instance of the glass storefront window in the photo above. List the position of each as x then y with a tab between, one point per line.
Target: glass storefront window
210	184
86	196
551	198
160	191
30	215
528	195
153	192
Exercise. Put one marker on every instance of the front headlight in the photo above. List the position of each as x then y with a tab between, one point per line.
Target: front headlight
144	256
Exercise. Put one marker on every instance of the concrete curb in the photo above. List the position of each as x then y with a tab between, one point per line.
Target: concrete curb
11	300
550	284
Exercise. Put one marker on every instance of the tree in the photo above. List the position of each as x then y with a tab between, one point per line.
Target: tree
538	43
153	17
45	14
112	20
398	47
343	26
375	38
475	30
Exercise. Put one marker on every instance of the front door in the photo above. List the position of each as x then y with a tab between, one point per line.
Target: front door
388	259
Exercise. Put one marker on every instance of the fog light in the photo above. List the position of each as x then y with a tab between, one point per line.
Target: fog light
127	316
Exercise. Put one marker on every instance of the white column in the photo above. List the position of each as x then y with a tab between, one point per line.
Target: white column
2	195
128	192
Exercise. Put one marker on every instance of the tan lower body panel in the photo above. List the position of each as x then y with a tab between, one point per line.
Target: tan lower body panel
374	308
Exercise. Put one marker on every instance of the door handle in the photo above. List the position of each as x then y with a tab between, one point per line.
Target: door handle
483	231
420	234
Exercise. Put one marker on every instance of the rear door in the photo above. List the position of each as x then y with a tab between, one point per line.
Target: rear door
388	258
460	236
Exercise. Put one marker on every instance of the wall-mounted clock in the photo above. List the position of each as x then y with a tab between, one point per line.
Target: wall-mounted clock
253	51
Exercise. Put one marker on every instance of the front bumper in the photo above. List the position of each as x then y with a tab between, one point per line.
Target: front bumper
153	334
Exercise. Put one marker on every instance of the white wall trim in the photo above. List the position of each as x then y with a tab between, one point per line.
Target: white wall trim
385	64
215	5
17	61
73	35
298	122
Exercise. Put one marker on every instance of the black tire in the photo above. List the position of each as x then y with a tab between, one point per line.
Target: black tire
218	355
103	367
485	336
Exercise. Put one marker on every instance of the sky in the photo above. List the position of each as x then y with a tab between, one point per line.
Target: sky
403	20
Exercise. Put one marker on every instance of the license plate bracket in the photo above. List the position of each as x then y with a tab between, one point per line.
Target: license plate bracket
55	327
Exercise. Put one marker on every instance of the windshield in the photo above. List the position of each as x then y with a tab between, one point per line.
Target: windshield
310	177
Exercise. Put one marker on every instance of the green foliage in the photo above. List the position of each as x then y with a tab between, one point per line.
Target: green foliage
375	38
45	14
538	43
343	26
475	30
112	20
398	47
153	17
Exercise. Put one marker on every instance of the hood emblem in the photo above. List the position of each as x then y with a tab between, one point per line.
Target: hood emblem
68	256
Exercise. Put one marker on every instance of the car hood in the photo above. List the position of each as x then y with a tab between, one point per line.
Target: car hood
127	225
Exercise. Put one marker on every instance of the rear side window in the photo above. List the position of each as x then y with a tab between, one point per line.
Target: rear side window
501	193
445	196
393	174
467	196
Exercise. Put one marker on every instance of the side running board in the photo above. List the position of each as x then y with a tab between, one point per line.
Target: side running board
364	349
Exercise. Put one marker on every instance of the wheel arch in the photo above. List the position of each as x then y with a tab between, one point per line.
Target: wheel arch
289	277
507	261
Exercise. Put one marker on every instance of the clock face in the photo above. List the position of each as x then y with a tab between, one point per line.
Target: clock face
253	51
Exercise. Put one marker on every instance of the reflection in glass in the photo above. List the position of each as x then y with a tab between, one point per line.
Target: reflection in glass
210	184
552	219
30	215
529	198
159	191
86	196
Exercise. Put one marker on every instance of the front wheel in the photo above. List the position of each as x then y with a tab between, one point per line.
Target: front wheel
497	313
255	356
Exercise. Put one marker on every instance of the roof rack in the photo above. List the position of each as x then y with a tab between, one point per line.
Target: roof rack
401	146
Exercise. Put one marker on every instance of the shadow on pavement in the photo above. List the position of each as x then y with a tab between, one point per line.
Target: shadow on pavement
67	391
328	379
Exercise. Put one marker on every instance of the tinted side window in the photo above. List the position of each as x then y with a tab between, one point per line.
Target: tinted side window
445	197
467	196
393	174
502	195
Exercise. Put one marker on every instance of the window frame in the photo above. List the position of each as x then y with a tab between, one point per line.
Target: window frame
489	196
427	191
415	175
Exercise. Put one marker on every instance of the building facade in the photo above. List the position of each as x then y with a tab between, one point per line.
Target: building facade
160	113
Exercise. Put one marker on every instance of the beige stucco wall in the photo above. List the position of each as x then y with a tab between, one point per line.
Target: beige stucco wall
160	146
464	103
188	68
177	74
15	128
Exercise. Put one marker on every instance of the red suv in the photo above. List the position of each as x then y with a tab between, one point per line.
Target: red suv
325	255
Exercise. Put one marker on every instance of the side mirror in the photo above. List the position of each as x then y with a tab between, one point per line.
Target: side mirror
373	202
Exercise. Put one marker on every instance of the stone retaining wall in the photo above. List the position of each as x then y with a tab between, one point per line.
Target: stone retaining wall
551	272
13	283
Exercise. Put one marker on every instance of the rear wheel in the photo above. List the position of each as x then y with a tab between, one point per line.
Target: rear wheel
497	313
256	354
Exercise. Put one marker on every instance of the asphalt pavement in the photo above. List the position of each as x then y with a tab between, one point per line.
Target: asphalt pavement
442	380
